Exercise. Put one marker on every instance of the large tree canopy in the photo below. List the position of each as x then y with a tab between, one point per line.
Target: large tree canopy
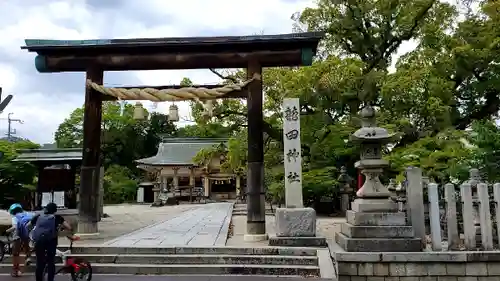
429	95
441	97
124	139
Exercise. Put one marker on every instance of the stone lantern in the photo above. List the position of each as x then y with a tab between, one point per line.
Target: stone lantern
371	139
346	190
374	223
139	111
173	113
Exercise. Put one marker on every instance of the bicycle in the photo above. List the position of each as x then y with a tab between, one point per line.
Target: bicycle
5	248
78	268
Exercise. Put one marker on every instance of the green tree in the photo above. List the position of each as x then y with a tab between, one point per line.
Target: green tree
123	139
444	157
119	185
485	142
434	93
16	178
451	79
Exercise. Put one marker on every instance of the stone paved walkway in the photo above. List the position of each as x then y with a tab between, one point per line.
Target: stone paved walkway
207	225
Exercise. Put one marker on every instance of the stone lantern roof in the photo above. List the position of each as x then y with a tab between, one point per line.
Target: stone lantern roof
369	132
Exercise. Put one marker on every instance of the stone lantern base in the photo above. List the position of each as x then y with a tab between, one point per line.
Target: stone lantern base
296	227
376	225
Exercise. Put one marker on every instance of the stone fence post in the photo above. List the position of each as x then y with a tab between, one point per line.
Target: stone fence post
468	216
415	202
451	216
496	198
434	217
485	216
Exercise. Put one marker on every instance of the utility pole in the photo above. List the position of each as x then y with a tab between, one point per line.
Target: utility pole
11	131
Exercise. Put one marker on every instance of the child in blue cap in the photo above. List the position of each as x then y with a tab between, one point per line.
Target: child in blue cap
20	237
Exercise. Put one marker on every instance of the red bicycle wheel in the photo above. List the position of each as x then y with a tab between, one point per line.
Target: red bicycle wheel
82	271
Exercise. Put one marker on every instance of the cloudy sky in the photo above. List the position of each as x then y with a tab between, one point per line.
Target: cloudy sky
43	101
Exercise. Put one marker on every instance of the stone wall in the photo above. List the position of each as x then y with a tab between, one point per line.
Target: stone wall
424	266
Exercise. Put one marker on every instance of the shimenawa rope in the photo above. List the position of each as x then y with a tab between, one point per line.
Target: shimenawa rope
155	95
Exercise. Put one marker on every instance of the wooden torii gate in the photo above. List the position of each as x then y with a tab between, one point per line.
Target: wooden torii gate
96	56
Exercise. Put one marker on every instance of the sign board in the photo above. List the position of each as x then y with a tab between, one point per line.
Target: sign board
58	198
140	195
46	198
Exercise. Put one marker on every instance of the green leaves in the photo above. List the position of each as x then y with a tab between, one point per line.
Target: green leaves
443	157
485	137
123	139
15	176
434	93
119	185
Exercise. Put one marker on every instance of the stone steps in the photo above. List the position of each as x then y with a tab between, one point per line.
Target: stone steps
241	210
185	269
196	260
193	259
244	213
214	250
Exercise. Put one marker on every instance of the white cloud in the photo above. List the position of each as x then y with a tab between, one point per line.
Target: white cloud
44	100
8	75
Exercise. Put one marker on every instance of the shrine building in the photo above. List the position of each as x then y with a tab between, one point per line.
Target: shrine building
176	170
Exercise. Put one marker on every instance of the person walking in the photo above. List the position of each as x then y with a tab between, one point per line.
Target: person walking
20	237
45	236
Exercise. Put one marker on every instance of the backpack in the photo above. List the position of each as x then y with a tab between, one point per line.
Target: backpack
22	224
45	228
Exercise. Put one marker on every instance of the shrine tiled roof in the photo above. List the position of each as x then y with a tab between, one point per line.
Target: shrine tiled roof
49	155
179	151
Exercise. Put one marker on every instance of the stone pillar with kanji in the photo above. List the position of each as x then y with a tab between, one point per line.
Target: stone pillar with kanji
295	225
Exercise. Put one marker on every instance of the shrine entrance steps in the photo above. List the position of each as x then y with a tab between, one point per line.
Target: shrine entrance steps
265	261
241	210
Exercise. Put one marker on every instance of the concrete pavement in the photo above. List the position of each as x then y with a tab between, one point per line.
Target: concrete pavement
204	226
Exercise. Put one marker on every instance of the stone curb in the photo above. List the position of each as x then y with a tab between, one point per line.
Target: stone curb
460	257
325	263
224	231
